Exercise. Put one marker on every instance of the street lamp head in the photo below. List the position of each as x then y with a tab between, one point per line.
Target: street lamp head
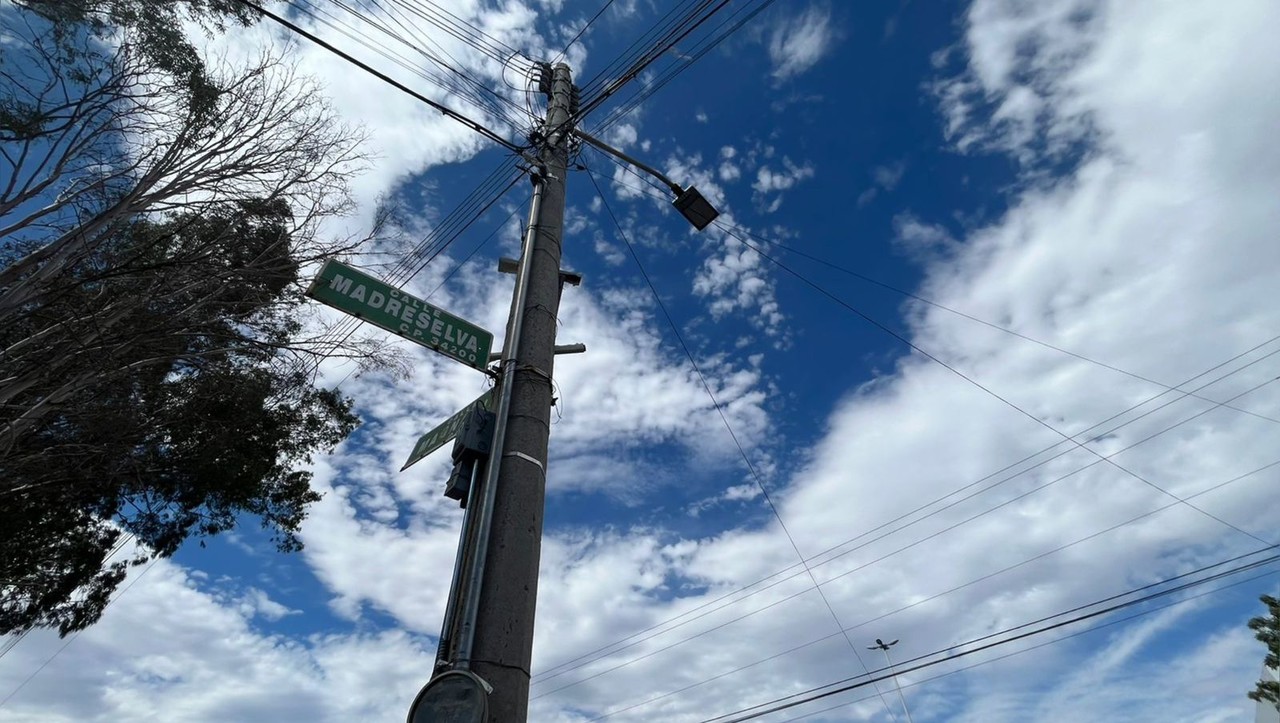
695	208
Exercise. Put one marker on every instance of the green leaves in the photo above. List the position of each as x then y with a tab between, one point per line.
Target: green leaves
189	415
1267	630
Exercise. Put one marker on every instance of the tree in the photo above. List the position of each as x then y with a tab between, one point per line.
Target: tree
1267	630
155	352
155	26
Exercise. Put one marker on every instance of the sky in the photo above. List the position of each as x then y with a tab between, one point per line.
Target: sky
1010	352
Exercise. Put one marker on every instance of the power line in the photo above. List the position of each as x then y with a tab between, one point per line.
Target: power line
75	635
569	665
436	243
930	598
641	96
1053	641
465	85
473	125
562	669
984	322
1007	402
582	30
812	694
725	419
679	32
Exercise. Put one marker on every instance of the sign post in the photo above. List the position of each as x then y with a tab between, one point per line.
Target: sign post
447	430
348	289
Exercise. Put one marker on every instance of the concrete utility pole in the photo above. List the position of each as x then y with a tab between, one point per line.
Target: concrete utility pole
495	629
486	643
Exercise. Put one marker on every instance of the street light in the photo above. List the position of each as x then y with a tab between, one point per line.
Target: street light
883	647
690	202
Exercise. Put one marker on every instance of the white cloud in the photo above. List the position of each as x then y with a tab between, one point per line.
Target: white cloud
166	649
798	43
1156	254
770	183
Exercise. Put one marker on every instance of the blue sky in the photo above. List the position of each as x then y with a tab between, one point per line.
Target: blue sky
1097	176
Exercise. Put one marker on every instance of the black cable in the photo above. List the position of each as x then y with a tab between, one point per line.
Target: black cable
921	601
494	47
848	572
478	91
475	250
725	419
561	668
915	347
387	79
1101	626
639	67
441	237
636	100
630	54
584	29
313	10
75	635
984	322
813	694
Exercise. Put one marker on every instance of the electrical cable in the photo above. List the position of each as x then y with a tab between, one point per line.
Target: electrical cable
1053	641
633	52
569	665
930	598
479	94
451	23
725	419
641	96
445	110
645	62
436	243
975	383
582	30
984	322
75	635
812	694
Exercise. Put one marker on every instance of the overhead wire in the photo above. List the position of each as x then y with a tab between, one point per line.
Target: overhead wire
915	603
570	665
690	617
928	302
72	638
681	31
636	50
464	84
1063	638
697	53
581	31
463	30
729	427
1007	636
442	236
445	110
984	388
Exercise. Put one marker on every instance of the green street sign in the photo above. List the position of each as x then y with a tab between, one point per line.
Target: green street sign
447	430
355	292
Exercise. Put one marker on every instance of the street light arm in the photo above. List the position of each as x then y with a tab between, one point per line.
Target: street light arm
675	187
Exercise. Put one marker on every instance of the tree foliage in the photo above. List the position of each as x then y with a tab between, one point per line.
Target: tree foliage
1266	628
155	29
155	353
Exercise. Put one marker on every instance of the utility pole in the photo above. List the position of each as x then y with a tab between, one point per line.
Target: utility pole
486	642
497	585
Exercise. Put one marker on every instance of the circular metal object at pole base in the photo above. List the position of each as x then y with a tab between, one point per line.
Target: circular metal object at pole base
454	696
